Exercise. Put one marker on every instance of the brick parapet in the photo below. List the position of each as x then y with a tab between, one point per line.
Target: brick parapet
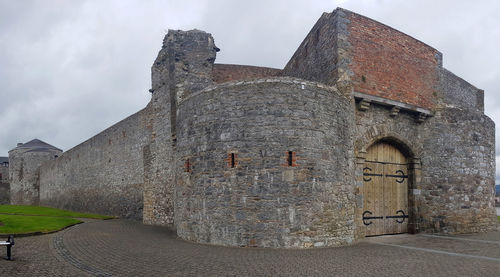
390	64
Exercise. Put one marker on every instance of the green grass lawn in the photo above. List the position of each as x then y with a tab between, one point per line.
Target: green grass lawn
19	224
46	211
34	219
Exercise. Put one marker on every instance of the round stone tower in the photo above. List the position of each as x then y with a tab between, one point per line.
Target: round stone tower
266	163
24	163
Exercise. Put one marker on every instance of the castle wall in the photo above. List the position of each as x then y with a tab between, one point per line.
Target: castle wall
264	201
218	204
101	175
229	158
232	72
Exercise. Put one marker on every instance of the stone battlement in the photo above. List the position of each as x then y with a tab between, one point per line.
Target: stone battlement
280	80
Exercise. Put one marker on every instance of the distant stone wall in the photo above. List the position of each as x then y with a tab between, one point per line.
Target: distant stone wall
4	174
104	174
4	185
232	72
4	193
235	185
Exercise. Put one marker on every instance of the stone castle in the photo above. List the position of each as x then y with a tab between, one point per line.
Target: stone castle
362	133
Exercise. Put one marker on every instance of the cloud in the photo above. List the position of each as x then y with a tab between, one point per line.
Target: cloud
73	68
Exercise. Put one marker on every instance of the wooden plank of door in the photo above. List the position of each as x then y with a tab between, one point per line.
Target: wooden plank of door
389	195
388	190
403	197
373	202
379	198
399	189
402	185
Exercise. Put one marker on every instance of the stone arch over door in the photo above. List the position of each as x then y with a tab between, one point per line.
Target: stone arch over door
406	167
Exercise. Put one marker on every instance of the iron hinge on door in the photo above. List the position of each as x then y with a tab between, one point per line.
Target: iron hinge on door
367	179
398	217
365	218
399	178
403	216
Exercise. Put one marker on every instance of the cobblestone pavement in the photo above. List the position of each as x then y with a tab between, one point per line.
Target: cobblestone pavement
125	248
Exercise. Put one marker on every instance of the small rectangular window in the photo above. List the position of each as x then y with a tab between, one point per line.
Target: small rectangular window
231	160
187	166
291	158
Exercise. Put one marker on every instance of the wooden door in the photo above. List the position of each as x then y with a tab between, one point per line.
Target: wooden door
385	191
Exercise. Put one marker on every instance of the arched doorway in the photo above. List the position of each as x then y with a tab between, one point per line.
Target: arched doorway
385	190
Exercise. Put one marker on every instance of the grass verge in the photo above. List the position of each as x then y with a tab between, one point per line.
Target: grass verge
46	211
15	224
17	220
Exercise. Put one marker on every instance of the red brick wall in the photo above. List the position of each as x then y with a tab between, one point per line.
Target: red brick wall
232	72
391	64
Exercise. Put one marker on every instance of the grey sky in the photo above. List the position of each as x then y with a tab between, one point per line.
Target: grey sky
70	69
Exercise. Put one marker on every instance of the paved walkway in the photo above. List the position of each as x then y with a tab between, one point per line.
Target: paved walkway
124	248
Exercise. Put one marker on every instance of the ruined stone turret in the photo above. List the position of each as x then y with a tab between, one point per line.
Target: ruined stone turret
184	65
